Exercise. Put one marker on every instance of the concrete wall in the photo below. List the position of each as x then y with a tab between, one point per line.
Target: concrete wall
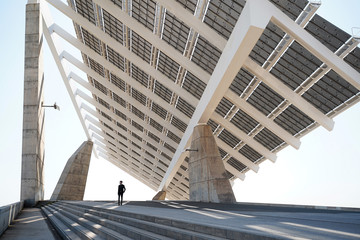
8	213
32	186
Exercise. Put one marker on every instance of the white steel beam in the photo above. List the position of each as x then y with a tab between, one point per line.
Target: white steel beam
109	85
312	44
281	47
54	46
244	137
262	119
153	39
126	124
127	150
342	52
113	69
73	76
125	77
99	125
131	128
246	33
194	22
234	153
288	94
145	66
234	171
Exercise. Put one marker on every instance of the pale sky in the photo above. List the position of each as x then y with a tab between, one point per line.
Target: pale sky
324	171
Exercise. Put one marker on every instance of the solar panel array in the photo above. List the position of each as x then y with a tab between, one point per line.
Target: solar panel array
143	116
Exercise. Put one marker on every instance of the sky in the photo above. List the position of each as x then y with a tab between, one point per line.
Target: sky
323	172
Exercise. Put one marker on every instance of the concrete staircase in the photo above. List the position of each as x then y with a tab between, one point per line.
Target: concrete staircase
77	221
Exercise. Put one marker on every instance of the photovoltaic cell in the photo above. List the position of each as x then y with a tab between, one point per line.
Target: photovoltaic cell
175	32
293	120
292	69
265	99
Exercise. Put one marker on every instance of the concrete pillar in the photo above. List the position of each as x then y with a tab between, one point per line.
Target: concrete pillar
160	196
72	182
32	185
207	175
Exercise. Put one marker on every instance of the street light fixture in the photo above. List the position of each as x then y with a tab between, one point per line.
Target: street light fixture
53	106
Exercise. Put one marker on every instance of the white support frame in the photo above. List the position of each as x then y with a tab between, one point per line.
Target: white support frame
154	39
101	141
131	128
74	61
194	22
313	45
129	150
260	12
54	46
262	119
126	78
288	94
253	20
73	76
146	67
242	40
233	153
123	122
126	123
244	137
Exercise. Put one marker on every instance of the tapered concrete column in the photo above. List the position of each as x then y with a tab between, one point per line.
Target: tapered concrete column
32	185
72	182
207	175
161	195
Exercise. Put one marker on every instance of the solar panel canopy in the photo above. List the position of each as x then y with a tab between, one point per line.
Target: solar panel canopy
155	69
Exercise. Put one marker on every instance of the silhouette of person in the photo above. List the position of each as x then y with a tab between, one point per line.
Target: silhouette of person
121	190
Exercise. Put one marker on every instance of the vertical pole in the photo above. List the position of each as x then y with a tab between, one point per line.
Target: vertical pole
32	186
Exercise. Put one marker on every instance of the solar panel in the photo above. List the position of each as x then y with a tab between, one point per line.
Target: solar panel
144	107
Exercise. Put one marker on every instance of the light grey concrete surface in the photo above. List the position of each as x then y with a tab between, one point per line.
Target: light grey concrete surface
8	213
270	221
32	185
293	222
161	195
208	181
30	225
72	182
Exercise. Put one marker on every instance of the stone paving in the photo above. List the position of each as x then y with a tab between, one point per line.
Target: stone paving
289	222
29	225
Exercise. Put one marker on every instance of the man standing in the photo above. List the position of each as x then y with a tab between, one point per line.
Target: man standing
121	190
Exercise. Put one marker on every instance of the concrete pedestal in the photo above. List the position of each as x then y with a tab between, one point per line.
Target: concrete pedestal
207	175
32	186
160	196
72	182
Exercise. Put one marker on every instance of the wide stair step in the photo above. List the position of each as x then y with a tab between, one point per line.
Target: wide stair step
89	222
160	226
67	228
103	227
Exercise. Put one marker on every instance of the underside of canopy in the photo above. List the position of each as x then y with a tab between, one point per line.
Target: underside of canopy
261	73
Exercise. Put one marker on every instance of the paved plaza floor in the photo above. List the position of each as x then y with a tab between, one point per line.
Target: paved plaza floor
29	225
283	221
